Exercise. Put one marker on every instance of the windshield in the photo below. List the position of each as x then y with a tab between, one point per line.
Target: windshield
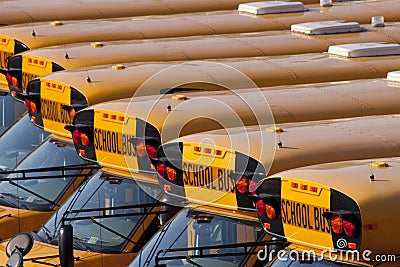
10	110
18	141
103	190
52	153
193	229
293	258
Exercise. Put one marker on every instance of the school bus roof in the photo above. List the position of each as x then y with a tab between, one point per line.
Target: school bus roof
203	47
287	103
32	11
332	140
271	71
11	13
377	199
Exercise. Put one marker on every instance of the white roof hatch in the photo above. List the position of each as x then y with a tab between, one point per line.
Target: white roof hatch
365	49
327	27
271	7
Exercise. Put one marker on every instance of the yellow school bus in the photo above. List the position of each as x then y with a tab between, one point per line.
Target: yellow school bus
337	214
38	185
119	133
228	166
314	38
208	24
57	97
33	11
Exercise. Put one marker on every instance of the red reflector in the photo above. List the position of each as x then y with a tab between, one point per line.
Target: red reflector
105	115
260	207
267	226
121	118
243	185
303	187
270	211
82	152
207	150
218	152
113	117
313	189
35	61
151	151
349	228
197	148
76	136
352	245
162	170
171	173
33	119
48	84
3	40
295	185
337	223
59	87
14	94
41	62
29	60
167	187
54	85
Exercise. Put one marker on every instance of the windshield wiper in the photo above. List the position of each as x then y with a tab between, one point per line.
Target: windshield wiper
47	233
6	202
78	241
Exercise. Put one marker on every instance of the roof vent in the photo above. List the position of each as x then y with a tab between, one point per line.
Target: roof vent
378	21
118	67
393	76
56	23
365	49
327	27
325	3
271	7
97	44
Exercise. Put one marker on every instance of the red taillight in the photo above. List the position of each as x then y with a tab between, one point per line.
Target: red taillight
242	185
260	207
11	80
85	139
76	136
72	113
151	151
172	175
31	106
337	224
349	228
162	170
270	211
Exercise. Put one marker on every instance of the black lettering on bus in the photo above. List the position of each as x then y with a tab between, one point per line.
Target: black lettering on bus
53	111
284	214
293	213
26	78
308	218
298	214
207	177
303	216
220	182
4	59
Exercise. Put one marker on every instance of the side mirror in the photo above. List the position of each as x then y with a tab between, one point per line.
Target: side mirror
22	242
66	246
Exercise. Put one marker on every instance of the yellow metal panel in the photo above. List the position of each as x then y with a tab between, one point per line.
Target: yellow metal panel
112	131
303	204
206	174
54	116
33	67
